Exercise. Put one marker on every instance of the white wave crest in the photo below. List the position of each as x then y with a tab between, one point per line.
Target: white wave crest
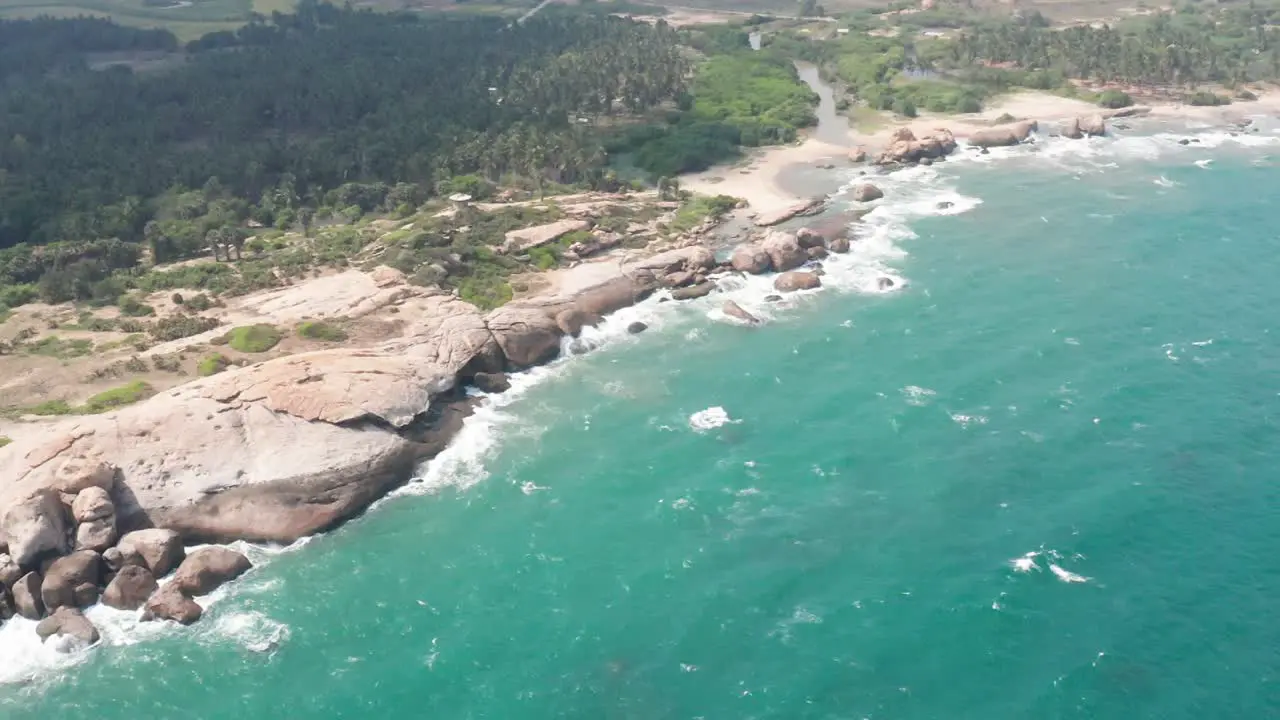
710	419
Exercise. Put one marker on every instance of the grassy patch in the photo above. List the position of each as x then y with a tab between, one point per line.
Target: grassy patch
212	364
253	338
117	397
180	326
700	208
319	330
49	407
56	347
4	440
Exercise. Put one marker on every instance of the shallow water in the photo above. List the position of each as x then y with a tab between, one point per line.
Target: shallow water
1035	482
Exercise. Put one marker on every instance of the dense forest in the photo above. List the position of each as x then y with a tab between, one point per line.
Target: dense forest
326	111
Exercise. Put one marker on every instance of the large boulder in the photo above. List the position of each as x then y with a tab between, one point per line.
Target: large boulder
79	471
92	503
839	245
158	550
26	596
71	622
1093	126
1071	129
905	148
168	603
1003	135
270	452
751	259
34	526
9	570
65	577
572	321
527	335
699	259
491	382
206	569
796	280
784	251
130	588
96	535
866	192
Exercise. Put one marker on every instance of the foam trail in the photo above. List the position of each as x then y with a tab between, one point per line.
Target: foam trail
1066	575
710	419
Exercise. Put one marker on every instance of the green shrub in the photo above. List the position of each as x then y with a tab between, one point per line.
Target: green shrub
54	346
180	326
117	397
1206	98
199	303
133	307
1114	99
485	293
212	364
1243	94
253	338
17	295
319	330
4	441
49	407
904	107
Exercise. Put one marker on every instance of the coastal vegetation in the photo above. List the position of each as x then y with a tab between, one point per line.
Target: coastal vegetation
251	338
321	330
102	402
212	364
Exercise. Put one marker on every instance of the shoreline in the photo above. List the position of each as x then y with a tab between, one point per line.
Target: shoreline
447	341
773	178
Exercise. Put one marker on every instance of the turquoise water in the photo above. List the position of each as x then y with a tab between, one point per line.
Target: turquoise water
1081	367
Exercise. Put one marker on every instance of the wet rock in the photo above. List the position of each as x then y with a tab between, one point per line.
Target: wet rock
683	278
1093	126
572	321
809	238
159	551
885	283
693	291
7	609
839	245
796	280
70	622
113	559
858	155
817	253
807	207
1184	141
1004	135
26	596
945	205
66	576
750	259
773	298
867	192
168	603
636	328
491	382
34	526
905	148
1071	129
734	310
926	161
206	570
85	595
130	588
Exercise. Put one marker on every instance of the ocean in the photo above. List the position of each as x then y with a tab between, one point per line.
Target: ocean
1037	479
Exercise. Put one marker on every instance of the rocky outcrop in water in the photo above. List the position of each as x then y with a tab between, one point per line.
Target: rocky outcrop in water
797	280
905	148
1003	135
130	588
866	192
784	251
806	207
70	622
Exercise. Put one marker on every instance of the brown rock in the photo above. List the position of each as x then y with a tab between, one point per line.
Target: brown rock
33	526
783	250
96	535
693	291
699	258
679	279
572	321
66	575
92	503
734	310
796	280
809	238
1071	129
817	253
491	382
7	609
858	155
26	597
1093	126
867	192
839	245
85	595
885	283
83	470
906	148
159	551
750	259
206	569
1003	135
168	603
518	241
113	559
527	335
636	328
68	621
130	588
807	207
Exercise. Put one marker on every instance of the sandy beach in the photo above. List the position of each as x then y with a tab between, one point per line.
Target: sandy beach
768	179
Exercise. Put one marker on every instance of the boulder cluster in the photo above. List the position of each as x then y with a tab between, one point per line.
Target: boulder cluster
61	552
905	148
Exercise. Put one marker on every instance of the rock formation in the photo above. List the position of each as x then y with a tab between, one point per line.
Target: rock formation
905	148
734	310
866	192
1093	126
205	570
750	259
70	622
33	525
168	603
518	241
784	251
130	588
807	207
702	289
158	550
66	578
1003	135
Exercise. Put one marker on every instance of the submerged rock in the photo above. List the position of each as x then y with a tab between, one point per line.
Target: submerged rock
702	289
797	280
867	192
885	283
839	245
491	382
636	328
734	310
130	588
168	603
